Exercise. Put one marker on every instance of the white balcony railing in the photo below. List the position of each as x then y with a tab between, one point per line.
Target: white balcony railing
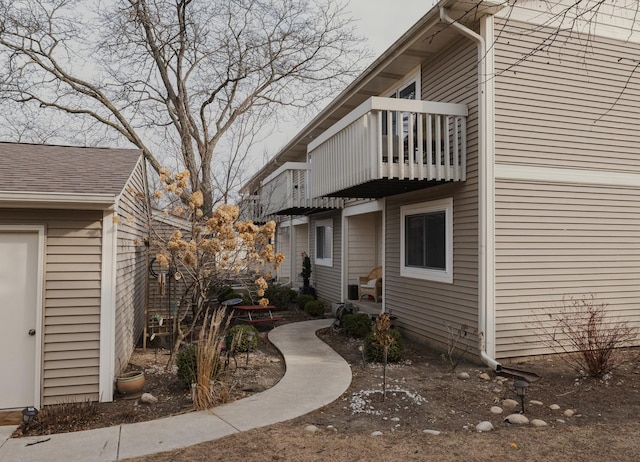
389	138
285	192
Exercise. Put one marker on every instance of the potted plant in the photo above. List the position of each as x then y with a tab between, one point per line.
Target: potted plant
130	384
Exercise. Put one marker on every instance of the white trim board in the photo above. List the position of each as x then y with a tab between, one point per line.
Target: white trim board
108	306
566	175
362	208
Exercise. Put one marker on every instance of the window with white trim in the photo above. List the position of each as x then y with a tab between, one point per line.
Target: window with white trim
324	242
426	241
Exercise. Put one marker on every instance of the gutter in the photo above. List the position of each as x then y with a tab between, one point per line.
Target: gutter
486	313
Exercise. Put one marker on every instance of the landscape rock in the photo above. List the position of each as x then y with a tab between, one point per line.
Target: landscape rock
485	376
148	398
534	402
538	423
431	432
510	403
554	407
496	410
519	419
484	426
311	428
463	376
377	433
569	413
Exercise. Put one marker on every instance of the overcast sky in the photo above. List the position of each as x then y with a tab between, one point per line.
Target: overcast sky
384	21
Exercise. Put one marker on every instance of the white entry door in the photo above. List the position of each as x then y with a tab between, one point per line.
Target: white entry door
20	257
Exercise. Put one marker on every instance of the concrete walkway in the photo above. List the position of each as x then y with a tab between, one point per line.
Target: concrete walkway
315	376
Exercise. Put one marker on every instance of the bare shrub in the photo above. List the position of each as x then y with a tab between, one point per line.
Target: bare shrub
589	337
457	345
63	416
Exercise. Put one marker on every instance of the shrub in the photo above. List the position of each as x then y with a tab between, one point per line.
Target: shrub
314	308
457	344
279	296
374	352
357	325
242	342
306	269
302	300
582	328
223	293
187	363
66	413
308	290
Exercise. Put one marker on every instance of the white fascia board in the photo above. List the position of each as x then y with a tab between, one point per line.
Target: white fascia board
297	221
49	200
363	207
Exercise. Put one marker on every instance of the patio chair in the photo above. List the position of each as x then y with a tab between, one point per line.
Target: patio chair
371	284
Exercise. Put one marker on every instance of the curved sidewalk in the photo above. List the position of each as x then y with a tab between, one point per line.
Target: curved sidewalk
315	376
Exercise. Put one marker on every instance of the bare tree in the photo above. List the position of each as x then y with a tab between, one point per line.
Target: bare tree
175	74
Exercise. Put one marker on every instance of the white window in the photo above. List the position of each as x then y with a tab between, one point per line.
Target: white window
324	242
426	249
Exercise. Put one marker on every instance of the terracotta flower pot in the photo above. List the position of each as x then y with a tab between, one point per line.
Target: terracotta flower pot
130	384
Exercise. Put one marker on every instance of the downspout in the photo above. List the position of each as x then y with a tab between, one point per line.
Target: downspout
486	316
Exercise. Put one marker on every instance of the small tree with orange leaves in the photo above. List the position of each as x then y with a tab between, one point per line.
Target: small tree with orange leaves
382	336
210	251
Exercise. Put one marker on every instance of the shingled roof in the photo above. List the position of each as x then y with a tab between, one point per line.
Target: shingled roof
37	168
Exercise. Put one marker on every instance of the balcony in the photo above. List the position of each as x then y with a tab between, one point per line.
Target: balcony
388	146
285	192
250	209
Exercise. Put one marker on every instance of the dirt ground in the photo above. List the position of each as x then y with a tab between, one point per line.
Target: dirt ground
424	393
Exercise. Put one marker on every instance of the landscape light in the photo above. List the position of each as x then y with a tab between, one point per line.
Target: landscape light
28	414
521	390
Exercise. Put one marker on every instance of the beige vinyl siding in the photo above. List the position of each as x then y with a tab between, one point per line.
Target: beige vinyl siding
327	280
131	267
573	106
424	308
71	325
159	301
364	245
283	246
556	241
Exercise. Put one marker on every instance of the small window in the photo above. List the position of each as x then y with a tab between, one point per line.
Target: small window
427	241
324	243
